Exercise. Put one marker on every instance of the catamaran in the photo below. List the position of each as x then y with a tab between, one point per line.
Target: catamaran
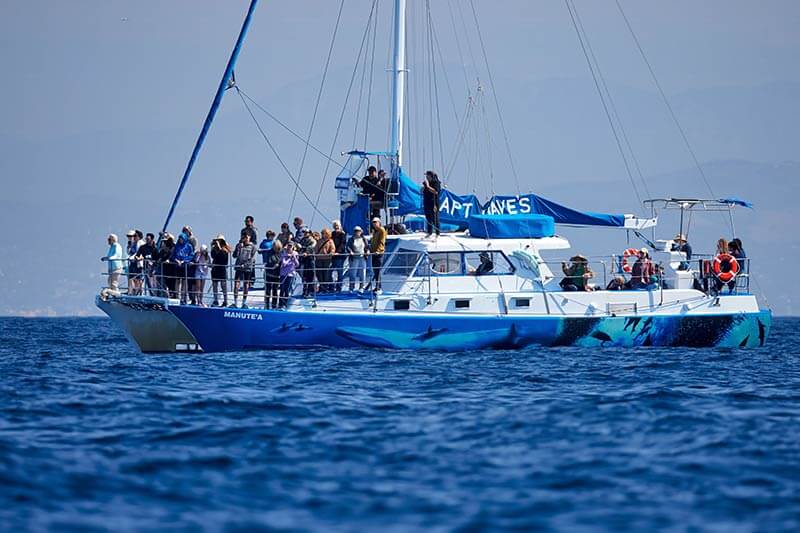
488	282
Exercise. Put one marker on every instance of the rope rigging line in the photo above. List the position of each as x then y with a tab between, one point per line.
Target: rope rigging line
603	100
371	77
494	96
316	105
283	125
611	103
344	106
431	34
275	152
665	99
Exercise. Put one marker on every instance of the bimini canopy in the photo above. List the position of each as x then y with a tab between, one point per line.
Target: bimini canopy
455	209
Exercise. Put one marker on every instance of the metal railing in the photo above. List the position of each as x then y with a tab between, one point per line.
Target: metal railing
320	275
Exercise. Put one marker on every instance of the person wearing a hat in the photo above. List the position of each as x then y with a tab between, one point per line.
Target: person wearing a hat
377	246
577	274
680	244
220	257
643	271
357	250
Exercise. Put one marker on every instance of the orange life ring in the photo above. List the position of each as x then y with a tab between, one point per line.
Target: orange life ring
719	267
627	267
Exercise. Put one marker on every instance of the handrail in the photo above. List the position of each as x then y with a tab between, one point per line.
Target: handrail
160	278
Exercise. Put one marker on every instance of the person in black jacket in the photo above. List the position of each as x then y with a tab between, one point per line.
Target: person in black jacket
431	187
220	257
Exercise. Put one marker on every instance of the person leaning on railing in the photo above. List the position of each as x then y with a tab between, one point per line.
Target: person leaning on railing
116	261
147	255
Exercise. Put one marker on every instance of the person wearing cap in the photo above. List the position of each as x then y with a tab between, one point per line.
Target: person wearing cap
270	249
116	262
680	244
577	274
371	186
220	257
357	249
201	262
377	246
643	271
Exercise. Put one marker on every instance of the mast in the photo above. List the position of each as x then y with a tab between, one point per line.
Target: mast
223	85
398	81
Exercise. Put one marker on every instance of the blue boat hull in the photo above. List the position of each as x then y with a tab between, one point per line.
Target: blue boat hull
233	330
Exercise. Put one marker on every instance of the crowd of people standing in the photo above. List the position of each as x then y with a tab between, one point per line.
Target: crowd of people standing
325	261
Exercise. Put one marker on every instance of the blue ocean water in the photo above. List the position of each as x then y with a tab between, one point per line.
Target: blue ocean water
94	435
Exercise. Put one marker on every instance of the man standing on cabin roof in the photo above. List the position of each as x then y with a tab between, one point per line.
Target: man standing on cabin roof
250	229
377	246
431	187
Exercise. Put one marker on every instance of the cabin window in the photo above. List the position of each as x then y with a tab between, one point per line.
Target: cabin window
402	305
487	263
441	264
522	302
402	263
462	303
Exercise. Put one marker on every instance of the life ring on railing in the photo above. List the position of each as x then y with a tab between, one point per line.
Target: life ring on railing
725	267
626	266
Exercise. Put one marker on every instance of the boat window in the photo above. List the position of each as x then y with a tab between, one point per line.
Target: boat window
441	264
522	302
402	262
461	304
486	263
402	305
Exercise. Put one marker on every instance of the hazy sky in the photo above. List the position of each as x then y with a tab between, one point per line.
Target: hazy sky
103	99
